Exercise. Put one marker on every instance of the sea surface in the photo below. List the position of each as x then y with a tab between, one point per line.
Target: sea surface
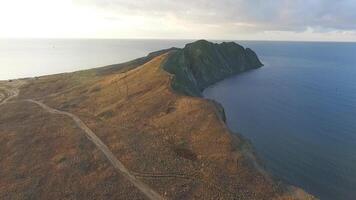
35	57
299	110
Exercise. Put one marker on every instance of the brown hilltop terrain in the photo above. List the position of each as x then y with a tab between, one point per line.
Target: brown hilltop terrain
123	132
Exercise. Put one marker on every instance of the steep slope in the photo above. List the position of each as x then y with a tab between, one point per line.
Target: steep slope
178	145
203	63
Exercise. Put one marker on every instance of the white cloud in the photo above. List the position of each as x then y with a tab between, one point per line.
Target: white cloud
219	19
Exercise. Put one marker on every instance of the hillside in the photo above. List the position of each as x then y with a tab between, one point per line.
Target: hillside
202	63
131	131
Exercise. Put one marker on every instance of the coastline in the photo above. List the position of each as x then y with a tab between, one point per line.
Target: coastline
246	145
193	137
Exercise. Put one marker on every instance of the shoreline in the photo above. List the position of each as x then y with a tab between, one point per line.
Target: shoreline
230	148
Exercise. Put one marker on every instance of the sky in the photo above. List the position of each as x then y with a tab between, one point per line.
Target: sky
301	20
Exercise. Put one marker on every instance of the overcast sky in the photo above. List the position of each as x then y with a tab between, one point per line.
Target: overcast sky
180	19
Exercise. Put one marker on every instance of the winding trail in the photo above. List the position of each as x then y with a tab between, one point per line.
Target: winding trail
145	189
8	94
10	91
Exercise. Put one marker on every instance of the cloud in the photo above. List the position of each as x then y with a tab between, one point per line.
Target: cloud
172	19
251	15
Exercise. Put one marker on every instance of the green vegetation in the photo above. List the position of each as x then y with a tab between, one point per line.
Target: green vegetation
202	63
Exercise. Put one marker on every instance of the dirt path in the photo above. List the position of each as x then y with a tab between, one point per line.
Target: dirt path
9	91
145	189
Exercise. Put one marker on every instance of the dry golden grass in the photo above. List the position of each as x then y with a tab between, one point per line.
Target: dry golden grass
46	156
176	144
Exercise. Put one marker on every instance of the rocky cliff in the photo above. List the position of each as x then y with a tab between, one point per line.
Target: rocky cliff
202	63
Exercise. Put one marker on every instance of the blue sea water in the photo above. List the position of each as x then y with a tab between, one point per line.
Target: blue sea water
299	110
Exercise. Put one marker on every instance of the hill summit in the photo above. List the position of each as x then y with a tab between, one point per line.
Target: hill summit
202	63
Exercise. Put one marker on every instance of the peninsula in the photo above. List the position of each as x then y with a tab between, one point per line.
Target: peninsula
136	130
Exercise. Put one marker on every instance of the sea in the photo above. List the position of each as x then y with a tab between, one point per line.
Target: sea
298	110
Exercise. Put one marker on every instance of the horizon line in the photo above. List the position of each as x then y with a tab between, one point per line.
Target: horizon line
179	39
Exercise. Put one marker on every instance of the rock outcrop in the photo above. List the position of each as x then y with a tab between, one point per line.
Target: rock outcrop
202	63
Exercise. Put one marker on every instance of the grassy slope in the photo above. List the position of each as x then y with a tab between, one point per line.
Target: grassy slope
150	128
46	156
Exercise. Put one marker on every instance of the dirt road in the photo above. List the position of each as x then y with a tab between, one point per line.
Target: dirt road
145	189
9	91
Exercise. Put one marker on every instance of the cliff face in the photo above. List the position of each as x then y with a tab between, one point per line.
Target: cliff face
202	63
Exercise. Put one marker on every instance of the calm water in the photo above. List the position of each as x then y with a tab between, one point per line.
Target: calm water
299	111
27	58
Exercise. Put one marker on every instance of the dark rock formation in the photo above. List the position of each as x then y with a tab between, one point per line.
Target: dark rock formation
202	63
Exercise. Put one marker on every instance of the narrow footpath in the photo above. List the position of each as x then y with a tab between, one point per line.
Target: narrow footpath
145	189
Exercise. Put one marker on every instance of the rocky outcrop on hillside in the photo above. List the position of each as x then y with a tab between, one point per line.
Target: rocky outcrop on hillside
202	63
